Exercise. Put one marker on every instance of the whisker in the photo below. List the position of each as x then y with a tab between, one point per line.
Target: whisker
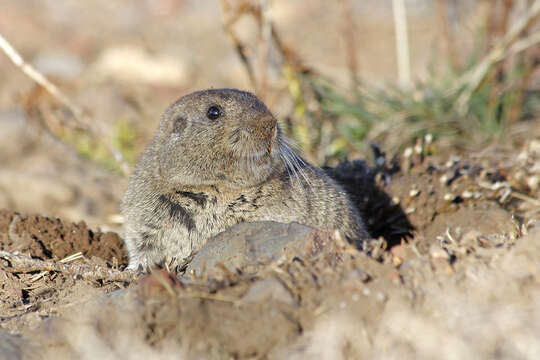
298	163
291	144
289	166
286	167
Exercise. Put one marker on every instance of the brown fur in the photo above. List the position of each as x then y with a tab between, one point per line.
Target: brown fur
199	177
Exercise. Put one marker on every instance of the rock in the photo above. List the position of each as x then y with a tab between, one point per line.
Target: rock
251	244
267	290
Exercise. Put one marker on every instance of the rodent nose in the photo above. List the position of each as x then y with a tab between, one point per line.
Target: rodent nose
266	126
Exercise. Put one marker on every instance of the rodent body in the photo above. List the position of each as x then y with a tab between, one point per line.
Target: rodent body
219	158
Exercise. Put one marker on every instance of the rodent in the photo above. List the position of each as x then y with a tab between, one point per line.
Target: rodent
219	158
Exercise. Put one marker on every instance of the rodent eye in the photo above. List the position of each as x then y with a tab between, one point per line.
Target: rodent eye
213	112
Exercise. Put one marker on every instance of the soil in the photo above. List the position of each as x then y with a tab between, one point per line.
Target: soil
46	238
465	283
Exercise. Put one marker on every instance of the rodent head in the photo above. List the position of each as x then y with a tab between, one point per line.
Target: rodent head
217	136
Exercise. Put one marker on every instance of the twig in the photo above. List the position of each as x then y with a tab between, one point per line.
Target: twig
524	44
52	89
65	260
265	33
498	26
228	21
349	34
33	74
528	59
473	78
402	43
449	43
211	297
24	264
162	281
525	198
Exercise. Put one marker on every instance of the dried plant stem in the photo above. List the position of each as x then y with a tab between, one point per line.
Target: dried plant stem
265	34
448	42
402	43
56	93
24	264
65	260
349	35
526	198
529	68
508	45
229	19
33	74
213	297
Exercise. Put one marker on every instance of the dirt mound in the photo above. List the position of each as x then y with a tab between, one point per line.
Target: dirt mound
40	283
232	315
339	304
47	238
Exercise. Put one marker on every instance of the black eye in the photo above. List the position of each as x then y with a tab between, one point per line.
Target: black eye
213	112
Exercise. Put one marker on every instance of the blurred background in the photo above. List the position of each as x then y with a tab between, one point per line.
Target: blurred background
337	74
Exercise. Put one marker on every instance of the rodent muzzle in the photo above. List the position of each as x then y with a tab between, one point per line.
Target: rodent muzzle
266	127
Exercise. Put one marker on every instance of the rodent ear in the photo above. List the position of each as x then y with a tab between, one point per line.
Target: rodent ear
179	125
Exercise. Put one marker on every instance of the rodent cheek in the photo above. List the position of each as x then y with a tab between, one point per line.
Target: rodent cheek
175	138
